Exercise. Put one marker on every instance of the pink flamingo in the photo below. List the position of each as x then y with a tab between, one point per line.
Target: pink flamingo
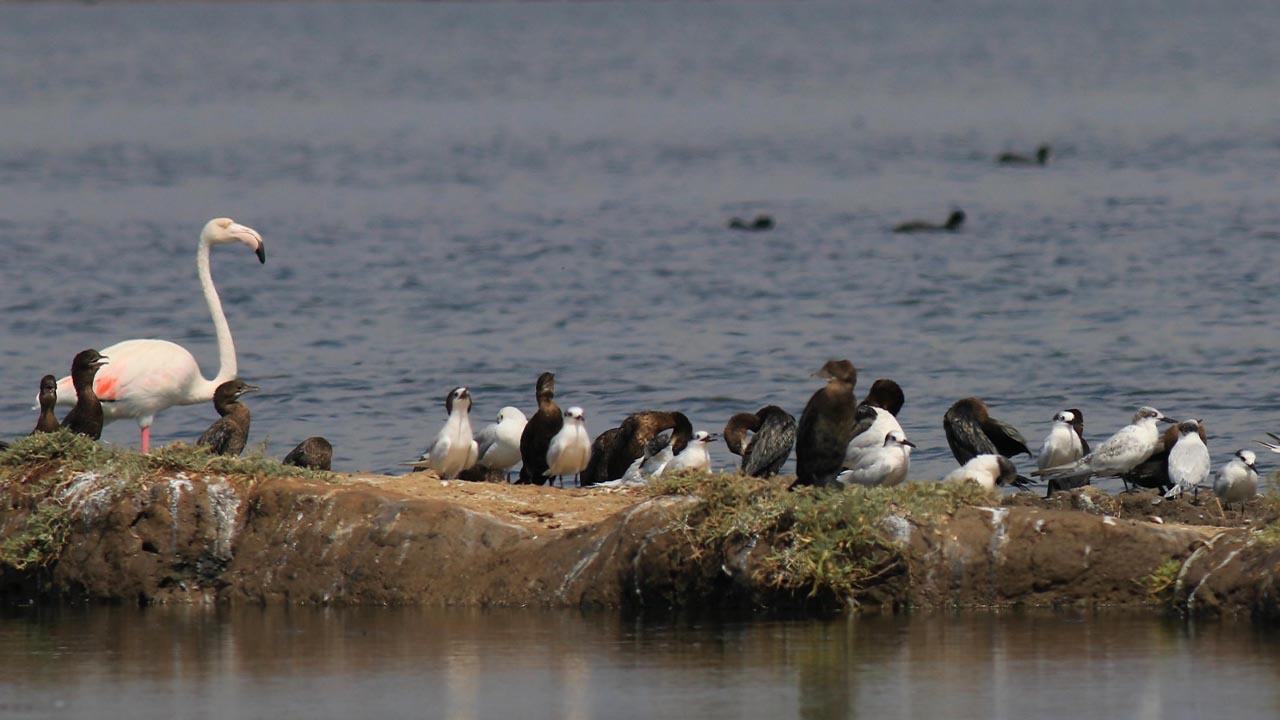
147	376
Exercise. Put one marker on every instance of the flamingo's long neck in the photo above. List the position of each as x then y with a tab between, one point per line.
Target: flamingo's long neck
226	346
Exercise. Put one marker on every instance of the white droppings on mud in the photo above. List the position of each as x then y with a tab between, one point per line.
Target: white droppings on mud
591	554
1039	525
225	504
1108	520
179	484
898	527
1088	551
1191	598
89	496
999	529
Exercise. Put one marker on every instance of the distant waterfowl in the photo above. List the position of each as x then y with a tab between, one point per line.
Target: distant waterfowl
826	425
971	431
147	376
48	422
230	432
886	466
1041	157
570	449
766	451
953	223
1237	481
1117	455
538	431
86	418
986	470
615	449
499	442
315	453
454	448
757	224
1153	473
1189	462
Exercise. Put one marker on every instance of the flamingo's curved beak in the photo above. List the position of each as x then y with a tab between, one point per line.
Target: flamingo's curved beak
262	253
250	237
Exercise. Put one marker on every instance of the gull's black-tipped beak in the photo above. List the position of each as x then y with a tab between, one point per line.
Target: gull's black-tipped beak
261	253
1167	419
908	443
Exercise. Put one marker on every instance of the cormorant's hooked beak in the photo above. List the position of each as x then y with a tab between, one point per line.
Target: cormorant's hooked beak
249	389
102	360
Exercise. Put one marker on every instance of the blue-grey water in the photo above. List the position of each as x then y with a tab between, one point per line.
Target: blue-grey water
405	663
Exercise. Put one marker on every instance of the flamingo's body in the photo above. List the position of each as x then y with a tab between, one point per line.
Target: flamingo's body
147	376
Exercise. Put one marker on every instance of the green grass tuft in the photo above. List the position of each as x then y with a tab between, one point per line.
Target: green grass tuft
1160	583
824	541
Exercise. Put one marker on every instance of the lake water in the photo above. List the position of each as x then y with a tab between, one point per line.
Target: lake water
474	193
409	663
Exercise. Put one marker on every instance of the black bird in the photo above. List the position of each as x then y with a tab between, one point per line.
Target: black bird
886	395
971	431
48	422
86	417
774	434
826	426
228	435
1041	158
538	432
314	452
758	224
953	223
614	450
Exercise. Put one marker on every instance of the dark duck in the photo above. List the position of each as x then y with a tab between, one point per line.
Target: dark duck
826	425
228	435
773	435
953	223
86	417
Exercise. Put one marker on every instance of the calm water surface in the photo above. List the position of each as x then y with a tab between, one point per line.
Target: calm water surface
306	663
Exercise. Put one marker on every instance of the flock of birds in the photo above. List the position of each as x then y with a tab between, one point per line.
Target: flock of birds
838	441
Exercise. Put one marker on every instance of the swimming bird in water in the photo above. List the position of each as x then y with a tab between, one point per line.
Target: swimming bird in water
615	449
147	376
826	425
1117	455
570	449
315	453
1272	446
773	435
986	470
971	431
48	422
536	438
1237	481
1153	473
499	442
86	418
230	432
758	224
454	448
953	223
1041	157
1189	462
887	466
874	419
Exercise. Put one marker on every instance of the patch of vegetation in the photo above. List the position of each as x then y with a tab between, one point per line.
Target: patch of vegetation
825	542
1160	583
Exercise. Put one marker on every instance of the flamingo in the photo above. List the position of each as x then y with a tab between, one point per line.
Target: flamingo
147	376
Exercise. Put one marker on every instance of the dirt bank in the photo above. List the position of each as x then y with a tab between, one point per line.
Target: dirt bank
362	539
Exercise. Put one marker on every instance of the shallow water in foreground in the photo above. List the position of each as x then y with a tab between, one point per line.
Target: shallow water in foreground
393	662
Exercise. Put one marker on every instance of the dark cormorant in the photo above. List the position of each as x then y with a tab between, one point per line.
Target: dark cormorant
86	417
826	425
314	452
228	435
774	434
537	434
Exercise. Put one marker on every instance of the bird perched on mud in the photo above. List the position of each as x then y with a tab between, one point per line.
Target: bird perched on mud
86	417
537	434
315	453
47	422
1237	481
570	450
454	448
1189	463
499	442
766	451
953	223
230	432
1153	473
1064	444
886	467
986	470
971	431
1126	449
826	425
615	449
681	449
